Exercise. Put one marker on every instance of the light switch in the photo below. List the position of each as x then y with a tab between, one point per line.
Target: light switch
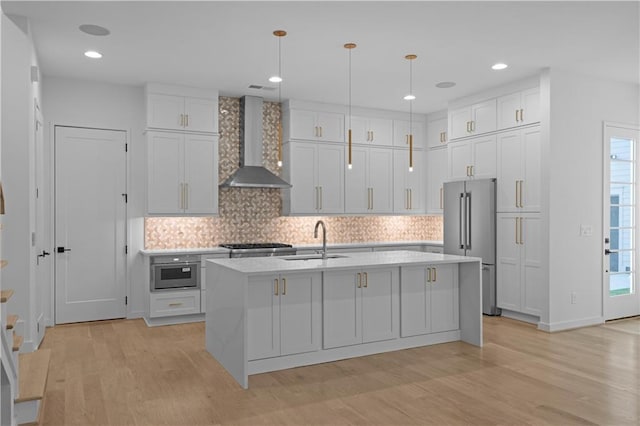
586	230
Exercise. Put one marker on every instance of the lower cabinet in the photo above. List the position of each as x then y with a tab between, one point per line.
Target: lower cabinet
360	306
283	316
519	284
171	303
429	299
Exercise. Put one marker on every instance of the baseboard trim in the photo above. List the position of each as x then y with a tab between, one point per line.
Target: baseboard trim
568	325
183	319
135	315
519	316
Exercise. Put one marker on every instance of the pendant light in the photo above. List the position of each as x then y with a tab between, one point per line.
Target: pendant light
349	47
278	79
410	97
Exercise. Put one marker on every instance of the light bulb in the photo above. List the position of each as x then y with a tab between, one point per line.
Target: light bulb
409	97
499	66
275	79
93	54
279	163
410	169
350	166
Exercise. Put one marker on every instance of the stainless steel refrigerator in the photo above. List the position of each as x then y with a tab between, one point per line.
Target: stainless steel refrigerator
470	230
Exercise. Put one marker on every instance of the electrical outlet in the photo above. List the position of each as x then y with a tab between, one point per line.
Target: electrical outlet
574	298
586	230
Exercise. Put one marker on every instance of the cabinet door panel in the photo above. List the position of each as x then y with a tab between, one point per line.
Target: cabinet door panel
300	313
484	117
437	170
508	263
458	119
416	183
302	172
400	183
201	174
485	157
165	172
330	169
508	108
303	124
435	129
460	158
359	130
342	309
444	310
263	318
202	115
509	170
356	194
530	106
401	130
531	165
331	126
380	305
164	111
381	131
532	283
415	302
380	172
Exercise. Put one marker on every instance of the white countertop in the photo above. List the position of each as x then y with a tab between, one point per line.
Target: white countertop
262	265
221	250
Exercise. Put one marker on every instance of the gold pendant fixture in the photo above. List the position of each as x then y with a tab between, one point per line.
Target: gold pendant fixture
410	97
278	79
349	47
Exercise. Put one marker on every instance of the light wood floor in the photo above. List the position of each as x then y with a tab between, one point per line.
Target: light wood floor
123	373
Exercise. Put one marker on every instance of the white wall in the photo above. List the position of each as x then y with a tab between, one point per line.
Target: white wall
579	106
101	105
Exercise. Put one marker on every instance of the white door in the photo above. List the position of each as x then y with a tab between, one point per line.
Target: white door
380	305
42	239
620	290
342	308
415	299
444	309
300	314
90	222
263	317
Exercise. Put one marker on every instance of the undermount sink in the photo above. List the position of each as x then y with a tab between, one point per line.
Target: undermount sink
311	257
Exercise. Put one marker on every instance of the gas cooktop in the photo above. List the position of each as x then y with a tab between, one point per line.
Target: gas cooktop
250	246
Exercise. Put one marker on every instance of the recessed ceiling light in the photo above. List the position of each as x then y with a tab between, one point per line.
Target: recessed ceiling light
93	54
409	97
499	66
445	84
275	79
94	30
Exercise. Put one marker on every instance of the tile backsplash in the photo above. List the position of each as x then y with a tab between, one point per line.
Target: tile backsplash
253	214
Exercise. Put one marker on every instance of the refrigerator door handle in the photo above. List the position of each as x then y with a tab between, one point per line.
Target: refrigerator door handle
467	233
461	224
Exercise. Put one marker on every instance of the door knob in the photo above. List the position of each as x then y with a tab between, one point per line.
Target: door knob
62	249
607	251
44	253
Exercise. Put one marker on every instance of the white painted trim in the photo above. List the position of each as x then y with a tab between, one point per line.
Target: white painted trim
27	411
519	316
182	319
136	314
345	352
568	325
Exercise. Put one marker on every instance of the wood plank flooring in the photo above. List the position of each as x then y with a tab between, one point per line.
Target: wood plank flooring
124	373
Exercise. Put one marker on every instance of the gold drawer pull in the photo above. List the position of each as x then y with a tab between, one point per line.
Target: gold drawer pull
175	304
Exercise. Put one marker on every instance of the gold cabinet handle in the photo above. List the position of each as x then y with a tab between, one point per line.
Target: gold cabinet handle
186	196
284	286
521	203
517	192
320	131
359	283
473	125
517	119
181	120
428	275
521	236
186	120
175	304
410	199
366	280
441	197
521	114
276	289
470	170
321	195
467	170
182	196
371	198
406	199
517	230
468	127
435	274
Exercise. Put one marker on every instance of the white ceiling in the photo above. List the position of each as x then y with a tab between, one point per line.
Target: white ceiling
229	45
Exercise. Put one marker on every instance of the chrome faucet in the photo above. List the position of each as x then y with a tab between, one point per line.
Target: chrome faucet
324	237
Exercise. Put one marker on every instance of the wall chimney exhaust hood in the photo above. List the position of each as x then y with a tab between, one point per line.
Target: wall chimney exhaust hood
251	173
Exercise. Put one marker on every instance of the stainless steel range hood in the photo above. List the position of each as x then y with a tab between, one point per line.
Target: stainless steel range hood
251	173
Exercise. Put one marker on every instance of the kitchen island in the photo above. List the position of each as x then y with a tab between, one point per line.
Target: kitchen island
273	313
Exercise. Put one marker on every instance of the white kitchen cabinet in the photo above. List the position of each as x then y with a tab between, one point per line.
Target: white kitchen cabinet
317	126
437	133
436	176
203	276
409	187
360	306
519	263
402	129
519	170
473	158
370	131
429	299
433	249
369	183
519	109
172	303
172	112
182	173
316	172
283	314
472	120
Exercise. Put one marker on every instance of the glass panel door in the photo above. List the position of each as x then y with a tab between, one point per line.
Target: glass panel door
621	297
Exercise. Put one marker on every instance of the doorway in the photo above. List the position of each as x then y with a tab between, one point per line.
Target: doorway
41	237
90	224
621	297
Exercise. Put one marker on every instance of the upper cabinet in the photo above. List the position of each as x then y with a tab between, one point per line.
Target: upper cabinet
370	131
409	186
181	108
437	175
316	126
369	184
519	109
472	120
437	133
473	158
402	129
